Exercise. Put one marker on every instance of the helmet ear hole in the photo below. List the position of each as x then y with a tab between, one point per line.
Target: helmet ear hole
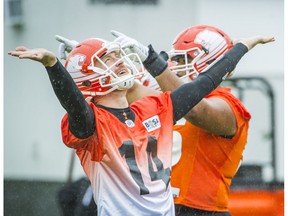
210	61
86	83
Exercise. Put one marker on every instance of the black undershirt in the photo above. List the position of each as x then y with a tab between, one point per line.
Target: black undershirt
121	114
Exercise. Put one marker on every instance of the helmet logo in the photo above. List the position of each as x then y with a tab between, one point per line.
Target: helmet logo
206	38
75	62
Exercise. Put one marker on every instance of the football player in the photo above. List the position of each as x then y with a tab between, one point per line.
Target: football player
209	142
125	150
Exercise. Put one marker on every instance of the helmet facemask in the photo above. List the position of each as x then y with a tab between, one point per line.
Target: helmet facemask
184	65
109	78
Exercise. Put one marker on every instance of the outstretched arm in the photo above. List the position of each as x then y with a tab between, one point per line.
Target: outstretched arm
214	114
206	114
210	79
188	95
81	115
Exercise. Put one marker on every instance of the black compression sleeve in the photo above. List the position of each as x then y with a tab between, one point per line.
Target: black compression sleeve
188	95
156	63
81	115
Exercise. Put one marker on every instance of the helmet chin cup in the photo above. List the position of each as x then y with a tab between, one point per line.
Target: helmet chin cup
126	84
123	83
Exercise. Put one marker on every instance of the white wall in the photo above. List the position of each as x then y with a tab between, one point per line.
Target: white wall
33	147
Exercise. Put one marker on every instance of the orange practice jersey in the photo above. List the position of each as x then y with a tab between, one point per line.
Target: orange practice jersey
207	164
129	165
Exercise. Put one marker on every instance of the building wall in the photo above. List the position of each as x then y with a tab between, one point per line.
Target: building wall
33	146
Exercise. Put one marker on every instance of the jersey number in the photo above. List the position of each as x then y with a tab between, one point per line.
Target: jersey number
127	149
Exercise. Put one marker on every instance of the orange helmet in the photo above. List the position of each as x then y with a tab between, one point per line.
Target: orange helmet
92	80
195	48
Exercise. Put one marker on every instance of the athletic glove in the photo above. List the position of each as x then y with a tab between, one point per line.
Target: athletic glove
130	45
65	46
152	61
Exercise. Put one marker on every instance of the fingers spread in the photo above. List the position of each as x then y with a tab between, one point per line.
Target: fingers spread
59	38
21	48
268	39
61	51
116	33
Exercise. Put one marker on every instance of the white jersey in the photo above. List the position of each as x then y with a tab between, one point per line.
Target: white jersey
125	201
129	166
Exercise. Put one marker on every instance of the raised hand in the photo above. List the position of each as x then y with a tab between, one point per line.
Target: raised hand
131	45
47	58
65	46
253	41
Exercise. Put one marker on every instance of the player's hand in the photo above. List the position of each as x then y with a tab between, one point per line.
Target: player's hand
253	41
47	58
65	46
131	45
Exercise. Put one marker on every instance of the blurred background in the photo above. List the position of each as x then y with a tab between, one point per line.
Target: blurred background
36	162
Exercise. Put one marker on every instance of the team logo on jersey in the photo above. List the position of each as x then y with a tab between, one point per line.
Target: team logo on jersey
152	123
129	123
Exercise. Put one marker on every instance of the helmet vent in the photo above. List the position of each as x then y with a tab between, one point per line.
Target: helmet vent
210	61
86	83
188	41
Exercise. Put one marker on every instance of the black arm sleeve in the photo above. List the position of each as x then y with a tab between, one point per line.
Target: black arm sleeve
188	95
80	114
